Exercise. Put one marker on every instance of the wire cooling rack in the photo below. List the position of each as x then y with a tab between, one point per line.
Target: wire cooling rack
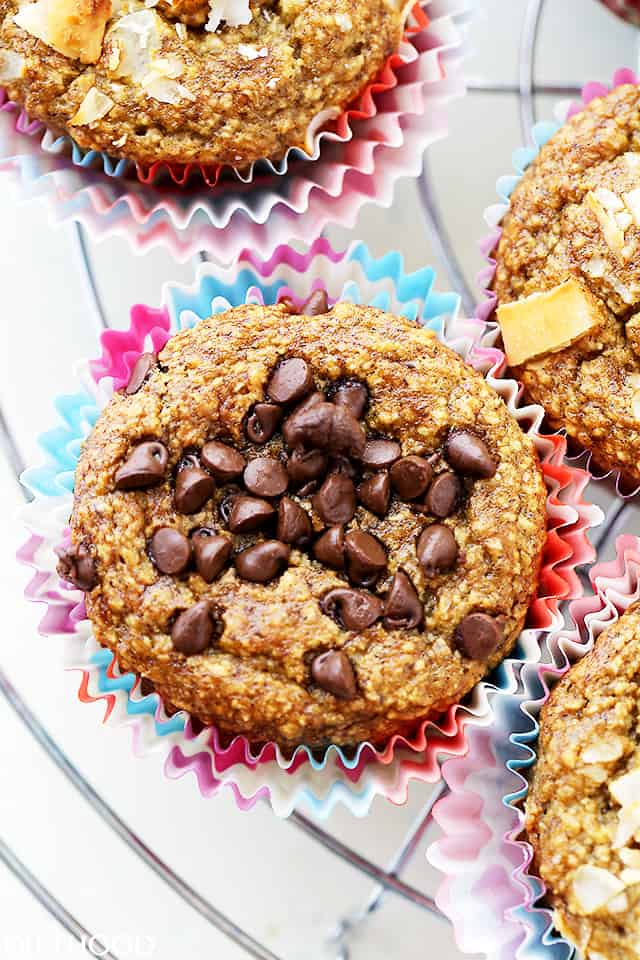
387	881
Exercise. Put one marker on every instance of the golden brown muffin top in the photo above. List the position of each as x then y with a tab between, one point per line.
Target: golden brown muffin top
257	673
583	809
575	215
225	82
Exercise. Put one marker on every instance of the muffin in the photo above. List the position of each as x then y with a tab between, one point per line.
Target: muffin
568	280
583	808
307	529
212	82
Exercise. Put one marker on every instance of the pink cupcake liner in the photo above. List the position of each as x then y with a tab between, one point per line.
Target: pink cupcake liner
373	146
489	891
493	216
334	129
287	781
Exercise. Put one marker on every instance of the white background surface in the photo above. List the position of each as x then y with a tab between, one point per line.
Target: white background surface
265	874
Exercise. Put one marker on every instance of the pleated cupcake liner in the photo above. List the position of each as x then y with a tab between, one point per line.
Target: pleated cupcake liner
490	892
494	214
328	125
305	778
373	145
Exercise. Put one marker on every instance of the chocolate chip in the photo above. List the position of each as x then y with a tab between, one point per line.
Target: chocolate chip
77	566
375	493
332	671
335	502
309	426
145	466
294	523
225	463
211	552
143	367
262	422
329	548
479	635
263	561
291	381
146	687
469	454
266	477
194	629
170	550
313	306
352	609
347	436
402	608
444	495
352	395
380	454
316	304
303	468
308	489
340	464
193	488
249	513
226	504
366	558
437	549
411	476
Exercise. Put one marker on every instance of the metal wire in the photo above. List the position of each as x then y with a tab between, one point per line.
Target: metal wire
111	818
67	921
86	264
385	879
349	924
528	41
440	241
9	448
341	850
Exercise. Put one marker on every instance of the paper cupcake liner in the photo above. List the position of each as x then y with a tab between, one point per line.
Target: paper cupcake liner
353	778
494	214
489	892
326	126
372	147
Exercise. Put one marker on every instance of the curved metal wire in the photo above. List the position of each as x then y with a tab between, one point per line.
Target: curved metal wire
528	41
100	314
440	242
387	880
67	921
111	818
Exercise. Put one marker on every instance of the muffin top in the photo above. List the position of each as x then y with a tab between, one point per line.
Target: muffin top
570	256
207	81
307	529
583	810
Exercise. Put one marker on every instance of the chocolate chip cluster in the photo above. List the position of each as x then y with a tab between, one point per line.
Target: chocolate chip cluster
327	460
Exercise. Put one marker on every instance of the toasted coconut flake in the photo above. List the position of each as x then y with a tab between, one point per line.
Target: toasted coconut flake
94	106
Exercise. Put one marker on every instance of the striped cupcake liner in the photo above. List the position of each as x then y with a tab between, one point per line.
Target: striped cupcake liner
490	892
359	159
303	779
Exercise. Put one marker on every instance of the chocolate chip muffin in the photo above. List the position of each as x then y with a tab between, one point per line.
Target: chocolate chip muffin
568	280
309	529
207	81
583	810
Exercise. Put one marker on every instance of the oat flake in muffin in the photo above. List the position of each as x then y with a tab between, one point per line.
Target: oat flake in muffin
307	529
568	280
207	81
583	809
